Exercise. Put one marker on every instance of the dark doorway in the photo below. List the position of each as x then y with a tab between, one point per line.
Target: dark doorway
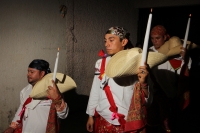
174	19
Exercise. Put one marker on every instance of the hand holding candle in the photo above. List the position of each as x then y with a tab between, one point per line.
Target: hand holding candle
56	66
187	31
146	40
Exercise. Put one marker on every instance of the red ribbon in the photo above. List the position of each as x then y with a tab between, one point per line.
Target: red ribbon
102	53
103	63
21	114
113	108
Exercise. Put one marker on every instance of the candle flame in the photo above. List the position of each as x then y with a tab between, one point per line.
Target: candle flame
190	15
151	10
58	48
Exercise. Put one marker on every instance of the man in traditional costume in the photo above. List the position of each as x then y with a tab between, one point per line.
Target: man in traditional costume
117	101
38	115
167	76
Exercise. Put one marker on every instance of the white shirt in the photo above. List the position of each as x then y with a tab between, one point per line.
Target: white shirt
36	113
122	94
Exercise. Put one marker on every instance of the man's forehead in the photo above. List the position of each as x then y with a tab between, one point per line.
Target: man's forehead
32	69
110	36
158	30
156	36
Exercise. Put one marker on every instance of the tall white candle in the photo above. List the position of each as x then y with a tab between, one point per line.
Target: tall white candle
146	41
187	31
56	66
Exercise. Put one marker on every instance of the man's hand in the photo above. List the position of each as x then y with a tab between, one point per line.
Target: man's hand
12	127
183	52
90	124
53	92
9	130
143	73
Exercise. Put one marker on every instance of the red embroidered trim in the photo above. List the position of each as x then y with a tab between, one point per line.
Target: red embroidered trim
136	119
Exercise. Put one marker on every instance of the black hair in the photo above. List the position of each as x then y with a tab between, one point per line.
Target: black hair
129	44
41	65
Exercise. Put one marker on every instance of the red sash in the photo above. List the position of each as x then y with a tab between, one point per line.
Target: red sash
19	128
183	85
113	108
103	63
52	123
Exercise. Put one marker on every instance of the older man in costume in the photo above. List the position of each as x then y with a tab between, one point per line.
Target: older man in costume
167	75
38	115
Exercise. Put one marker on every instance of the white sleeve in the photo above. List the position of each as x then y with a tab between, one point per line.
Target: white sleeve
17	117
189	63
63	114
150	92
94	93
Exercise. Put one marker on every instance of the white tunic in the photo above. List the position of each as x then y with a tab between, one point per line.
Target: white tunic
122	92
36	113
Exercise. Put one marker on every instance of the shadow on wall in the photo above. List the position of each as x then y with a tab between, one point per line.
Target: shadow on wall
77	118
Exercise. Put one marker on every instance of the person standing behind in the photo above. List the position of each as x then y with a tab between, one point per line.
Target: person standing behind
106	93
37	116
166	76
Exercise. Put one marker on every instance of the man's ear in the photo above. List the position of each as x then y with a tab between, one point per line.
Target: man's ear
42	74
165	37
124	42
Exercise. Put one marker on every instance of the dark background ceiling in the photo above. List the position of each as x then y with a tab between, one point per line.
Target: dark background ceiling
174	19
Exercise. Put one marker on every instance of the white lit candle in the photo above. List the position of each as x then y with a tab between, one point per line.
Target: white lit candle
146	40
187	31
56	66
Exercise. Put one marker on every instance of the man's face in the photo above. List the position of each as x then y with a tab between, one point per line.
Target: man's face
158	40
34	75
113	44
